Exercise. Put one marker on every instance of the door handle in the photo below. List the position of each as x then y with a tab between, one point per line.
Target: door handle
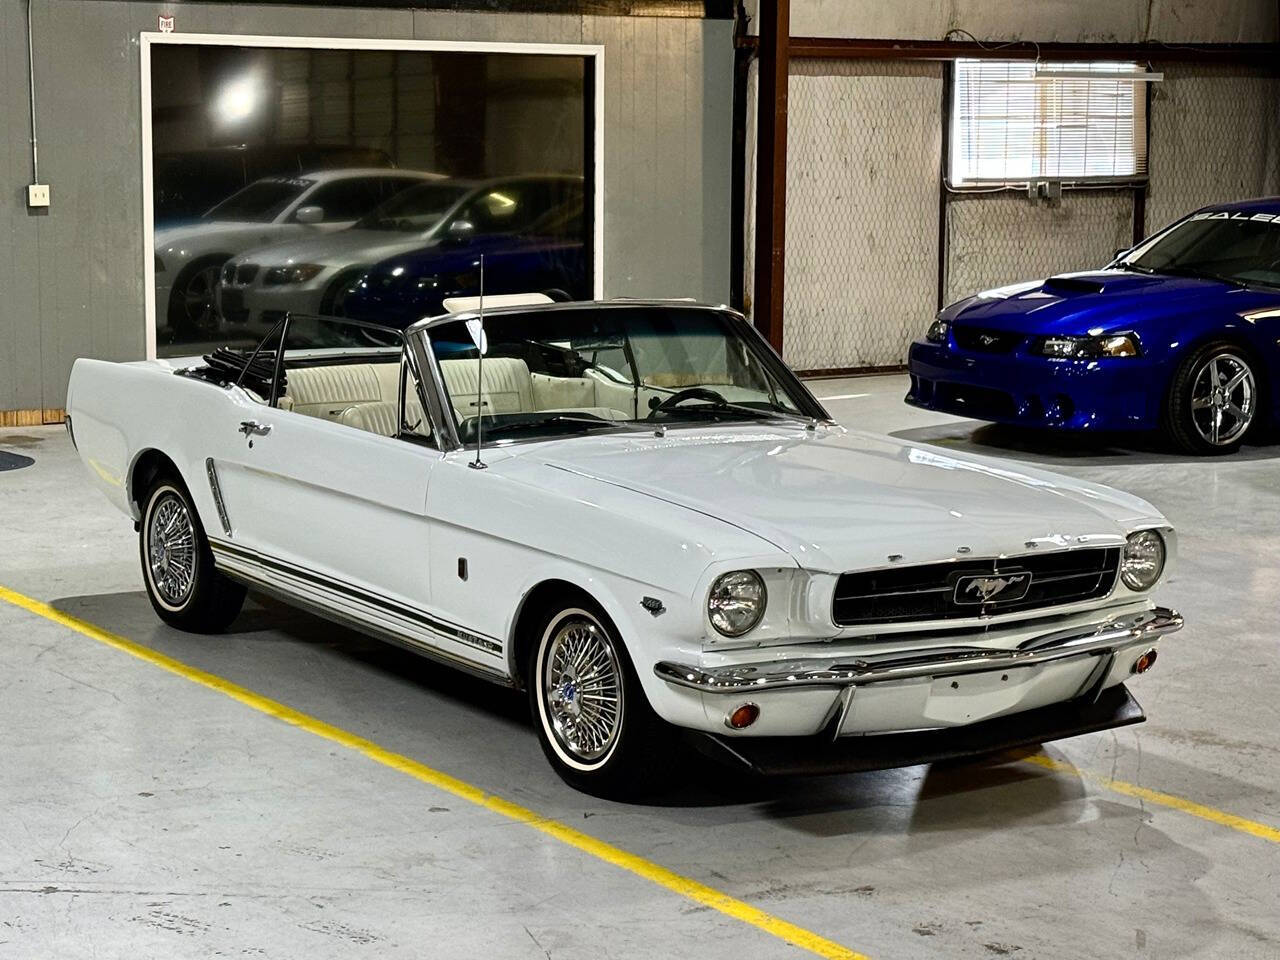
251	427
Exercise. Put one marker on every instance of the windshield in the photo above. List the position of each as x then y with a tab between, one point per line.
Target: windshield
416	210
1216	246
260	202
611	368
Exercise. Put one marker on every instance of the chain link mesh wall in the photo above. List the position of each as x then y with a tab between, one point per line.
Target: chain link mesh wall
998	238
863	148
1215	135
863	155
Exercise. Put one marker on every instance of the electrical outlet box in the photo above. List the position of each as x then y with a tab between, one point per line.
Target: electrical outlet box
38	195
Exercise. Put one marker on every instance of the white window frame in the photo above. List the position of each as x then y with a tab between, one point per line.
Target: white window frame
955	138
594	52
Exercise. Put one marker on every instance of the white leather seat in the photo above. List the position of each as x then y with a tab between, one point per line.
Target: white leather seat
327	391
366	395
508	386
380	418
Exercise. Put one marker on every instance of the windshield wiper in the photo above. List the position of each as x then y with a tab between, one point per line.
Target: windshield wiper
717	407
1135	268
1183	271
511	425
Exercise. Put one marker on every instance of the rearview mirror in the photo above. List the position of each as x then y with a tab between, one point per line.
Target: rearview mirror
310	214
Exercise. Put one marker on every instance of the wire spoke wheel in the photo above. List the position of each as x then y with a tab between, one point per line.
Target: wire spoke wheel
1224	398
171	550
582	689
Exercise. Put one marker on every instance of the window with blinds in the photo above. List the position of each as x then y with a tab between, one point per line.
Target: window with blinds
1013	122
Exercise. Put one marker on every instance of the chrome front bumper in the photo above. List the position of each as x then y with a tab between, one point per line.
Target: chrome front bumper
1100	638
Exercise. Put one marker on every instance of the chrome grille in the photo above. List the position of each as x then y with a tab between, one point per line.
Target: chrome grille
930	591
242	274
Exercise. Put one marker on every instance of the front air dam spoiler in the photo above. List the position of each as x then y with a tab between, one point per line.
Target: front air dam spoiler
783	756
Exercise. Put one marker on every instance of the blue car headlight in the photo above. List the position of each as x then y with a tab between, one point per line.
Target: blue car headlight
937	332
1077	348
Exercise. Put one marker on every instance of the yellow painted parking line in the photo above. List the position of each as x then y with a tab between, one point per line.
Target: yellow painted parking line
684	886
1213	815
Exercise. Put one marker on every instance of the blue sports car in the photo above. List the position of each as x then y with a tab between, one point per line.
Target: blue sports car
550	257
1179	334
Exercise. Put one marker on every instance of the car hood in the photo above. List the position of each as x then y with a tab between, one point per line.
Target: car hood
839	500
338	249
199	235
1076	303
436	257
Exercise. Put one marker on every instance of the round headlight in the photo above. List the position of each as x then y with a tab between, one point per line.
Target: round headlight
736	602
1143	560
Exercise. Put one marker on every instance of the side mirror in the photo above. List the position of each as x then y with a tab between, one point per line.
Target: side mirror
310	214
461	232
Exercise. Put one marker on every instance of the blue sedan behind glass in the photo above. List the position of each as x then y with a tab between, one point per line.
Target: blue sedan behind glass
550	258
1179	334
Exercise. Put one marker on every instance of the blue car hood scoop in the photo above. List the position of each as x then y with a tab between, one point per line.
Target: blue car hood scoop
1072	304
1074	284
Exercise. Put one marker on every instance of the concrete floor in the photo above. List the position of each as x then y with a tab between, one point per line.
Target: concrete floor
145	816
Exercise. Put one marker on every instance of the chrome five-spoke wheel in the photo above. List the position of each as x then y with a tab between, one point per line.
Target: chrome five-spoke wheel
581	689
1223	399
171	549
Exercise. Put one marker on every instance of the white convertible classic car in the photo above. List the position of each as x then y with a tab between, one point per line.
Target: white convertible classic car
634	511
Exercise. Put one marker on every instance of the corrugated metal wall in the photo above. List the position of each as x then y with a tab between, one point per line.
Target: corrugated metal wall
72	277
1076	21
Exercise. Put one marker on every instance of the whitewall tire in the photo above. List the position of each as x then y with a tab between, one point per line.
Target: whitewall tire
591	716
177	565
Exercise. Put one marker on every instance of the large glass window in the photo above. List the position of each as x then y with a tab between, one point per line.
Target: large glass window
1017	121
310	181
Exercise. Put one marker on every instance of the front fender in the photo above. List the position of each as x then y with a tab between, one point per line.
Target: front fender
649	638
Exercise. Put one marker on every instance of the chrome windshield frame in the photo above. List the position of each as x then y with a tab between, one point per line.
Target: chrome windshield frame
437	398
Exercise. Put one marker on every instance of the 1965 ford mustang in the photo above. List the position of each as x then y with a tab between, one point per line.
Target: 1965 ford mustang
634	511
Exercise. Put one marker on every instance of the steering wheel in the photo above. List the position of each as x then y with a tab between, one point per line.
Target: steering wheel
689	393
